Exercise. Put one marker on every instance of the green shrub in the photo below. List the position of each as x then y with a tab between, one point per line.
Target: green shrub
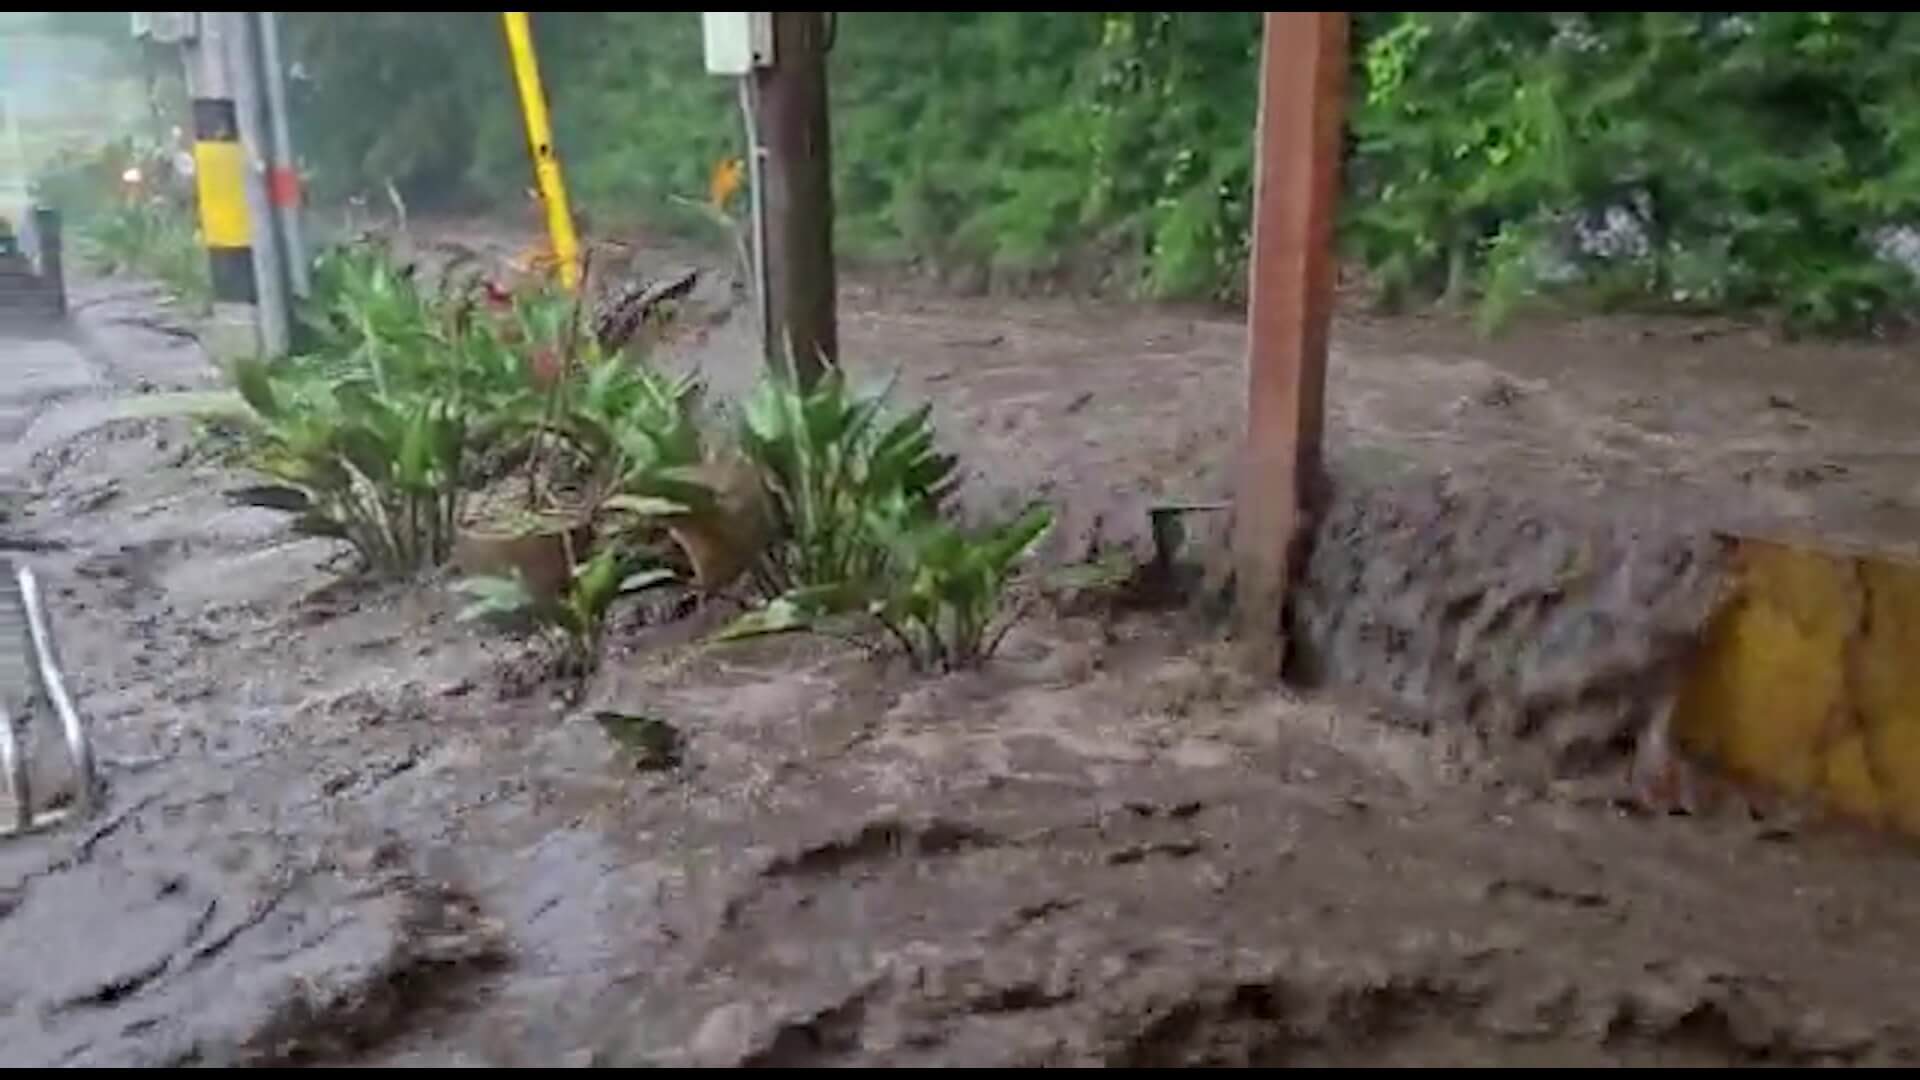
150	237
638	432
577	618
832	458
145	228
1755	155
374	430
864	526
1762	152
944	595
366	433
378	468
367	436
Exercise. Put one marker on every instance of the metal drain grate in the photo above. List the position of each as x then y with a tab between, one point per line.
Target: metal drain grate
33	692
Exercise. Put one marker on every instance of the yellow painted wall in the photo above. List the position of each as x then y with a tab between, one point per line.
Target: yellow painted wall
1810	681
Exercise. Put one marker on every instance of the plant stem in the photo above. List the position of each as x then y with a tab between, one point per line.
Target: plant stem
570	344
906	642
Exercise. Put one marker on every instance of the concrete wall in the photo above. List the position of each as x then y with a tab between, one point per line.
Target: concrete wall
1562	639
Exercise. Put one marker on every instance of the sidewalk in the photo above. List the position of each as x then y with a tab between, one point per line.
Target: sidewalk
58	381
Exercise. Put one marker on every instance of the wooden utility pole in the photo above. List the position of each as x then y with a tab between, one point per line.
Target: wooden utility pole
1290	300
790	99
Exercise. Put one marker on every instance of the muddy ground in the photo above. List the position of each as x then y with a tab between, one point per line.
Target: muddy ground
343	828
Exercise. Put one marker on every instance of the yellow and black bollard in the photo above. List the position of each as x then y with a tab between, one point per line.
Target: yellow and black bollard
220	173
244	257
220	166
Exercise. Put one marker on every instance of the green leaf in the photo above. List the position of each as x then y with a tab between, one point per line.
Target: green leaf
493	596
596	582
199	404
252	378
416	450
1018	538
646	579
365	450
779	616
644	505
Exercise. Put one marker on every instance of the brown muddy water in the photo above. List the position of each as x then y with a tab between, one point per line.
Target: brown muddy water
343	828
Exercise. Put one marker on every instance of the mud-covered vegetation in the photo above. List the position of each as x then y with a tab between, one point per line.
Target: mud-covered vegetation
423	406
487	424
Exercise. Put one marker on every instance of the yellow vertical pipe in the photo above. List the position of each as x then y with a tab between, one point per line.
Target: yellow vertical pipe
546	163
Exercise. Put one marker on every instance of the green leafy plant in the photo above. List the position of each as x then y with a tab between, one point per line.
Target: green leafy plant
638	432
941	597
368	315
600	433
947	587
577	617
1693	160
152	237
361	297
407	390
381	470
367	432
831	458
861	500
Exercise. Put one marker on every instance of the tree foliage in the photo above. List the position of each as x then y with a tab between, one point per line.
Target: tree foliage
1713	159
1743	158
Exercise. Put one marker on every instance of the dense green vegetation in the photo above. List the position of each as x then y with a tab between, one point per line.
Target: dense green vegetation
485	423
145	228
1744	160
1761	152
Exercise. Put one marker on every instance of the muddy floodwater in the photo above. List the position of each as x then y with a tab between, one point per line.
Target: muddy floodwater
343	828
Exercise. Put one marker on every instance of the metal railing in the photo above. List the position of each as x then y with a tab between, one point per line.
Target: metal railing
31	684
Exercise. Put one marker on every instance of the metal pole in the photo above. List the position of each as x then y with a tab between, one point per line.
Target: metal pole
284	180
249	109
53	684
757	219
546	162
13	767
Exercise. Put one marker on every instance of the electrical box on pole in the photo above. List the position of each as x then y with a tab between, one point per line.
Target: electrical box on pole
737	42
779	59
165	27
